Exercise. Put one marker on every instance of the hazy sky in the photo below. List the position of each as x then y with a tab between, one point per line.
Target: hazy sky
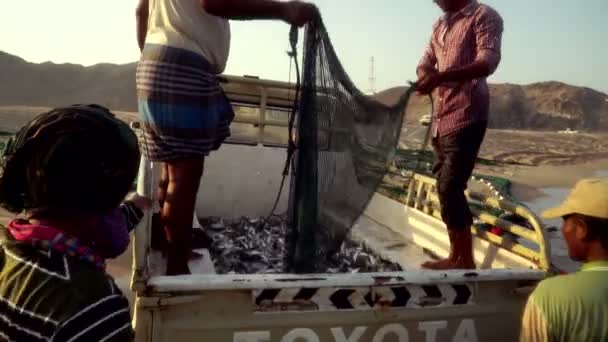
564	40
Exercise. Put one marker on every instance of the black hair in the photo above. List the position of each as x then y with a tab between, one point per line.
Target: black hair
77	160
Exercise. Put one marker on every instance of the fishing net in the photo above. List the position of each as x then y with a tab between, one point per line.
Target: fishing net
345	141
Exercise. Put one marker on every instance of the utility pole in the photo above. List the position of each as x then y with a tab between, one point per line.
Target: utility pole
372	78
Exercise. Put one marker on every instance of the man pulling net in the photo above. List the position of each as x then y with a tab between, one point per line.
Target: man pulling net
185	113
464	50
346	139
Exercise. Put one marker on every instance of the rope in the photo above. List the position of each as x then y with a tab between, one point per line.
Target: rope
291	145
427	134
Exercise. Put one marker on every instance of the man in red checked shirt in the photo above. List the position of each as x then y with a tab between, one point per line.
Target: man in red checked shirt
465	48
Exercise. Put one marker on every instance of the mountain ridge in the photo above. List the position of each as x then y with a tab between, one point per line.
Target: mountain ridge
551	105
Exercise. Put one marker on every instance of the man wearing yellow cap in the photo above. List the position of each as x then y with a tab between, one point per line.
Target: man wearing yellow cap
574	307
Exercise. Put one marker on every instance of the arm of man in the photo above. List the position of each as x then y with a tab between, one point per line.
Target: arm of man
293	12
428	63
141	15
133	209
488	36
132	213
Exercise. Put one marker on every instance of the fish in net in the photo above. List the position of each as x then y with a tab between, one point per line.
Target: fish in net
346	142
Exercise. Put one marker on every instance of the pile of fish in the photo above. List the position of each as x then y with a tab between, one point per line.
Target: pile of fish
257	246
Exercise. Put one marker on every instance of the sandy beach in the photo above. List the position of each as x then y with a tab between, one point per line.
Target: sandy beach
528	182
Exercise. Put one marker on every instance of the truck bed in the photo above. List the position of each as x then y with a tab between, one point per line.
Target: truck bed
394	230
372	246
411	304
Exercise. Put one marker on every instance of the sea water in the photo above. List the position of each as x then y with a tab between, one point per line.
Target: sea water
553	197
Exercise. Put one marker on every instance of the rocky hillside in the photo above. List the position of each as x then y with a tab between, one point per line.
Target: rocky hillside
540	106
51	85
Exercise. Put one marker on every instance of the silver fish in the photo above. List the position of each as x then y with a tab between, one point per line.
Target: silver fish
257	245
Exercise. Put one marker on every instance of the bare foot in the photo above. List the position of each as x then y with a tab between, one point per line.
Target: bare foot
195	255
177	263
175	270
447	264
200	239
177	260
442	264
464	264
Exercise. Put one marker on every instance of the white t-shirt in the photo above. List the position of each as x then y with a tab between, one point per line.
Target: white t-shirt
185	24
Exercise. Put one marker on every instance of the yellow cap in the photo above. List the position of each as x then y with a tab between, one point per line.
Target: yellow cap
589	197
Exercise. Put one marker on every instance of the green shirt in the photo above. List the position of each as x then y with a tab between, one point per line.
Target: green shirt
48	296
569	308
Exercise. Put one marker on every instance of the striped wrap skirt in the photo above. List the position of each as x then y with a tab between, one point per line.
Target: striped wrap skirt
184	111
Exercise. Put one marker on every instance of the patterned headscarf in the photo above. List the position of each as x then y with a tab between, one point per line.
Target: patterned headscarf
73	160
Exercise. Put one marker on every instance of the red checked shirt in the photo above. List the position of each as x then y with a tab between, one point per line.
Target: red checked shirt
472	34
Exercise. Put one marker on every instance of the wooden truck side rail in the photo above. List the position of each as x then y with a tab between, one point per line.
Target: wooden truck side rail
423	197
262	96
